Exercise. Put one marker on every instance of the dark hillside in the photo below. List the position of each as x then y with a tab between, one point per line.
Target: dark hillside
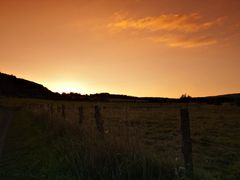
235	96
12	86
16	87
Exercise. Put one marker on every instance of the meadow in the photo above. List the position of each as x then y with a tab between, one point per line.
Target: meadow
62	140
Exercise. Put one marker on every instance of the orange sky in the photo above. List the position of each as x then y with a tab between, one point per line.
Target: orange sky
136	47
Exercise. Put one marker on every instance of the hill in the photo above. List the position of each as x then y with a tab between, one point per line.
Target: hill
236	96
13	86
17	87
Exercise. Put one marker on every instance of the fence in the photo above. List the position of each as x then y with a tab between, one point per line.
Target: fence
165	128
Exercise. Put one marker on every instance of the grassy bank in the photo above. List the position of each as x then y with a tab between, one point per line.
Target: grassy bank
37	149
143	141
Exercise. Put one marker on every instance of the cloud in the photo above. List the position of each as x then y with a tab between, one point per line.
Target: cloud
168	22
185	42
173	30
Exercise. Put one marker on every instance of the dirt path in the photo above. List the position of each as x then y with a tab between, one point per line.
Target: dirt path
5	119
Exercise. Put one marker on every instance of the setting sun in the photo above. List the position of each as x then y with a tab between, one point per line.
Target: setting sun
119	89
134	47
68	87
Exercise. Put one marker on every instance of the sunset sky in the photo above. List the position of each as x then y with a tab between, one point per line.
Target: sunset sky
136	47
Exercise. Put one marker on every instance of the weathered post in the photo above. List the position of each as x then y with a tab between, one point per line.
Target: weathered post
5	119
186	144
50	113
81	115
51	110
63	112
126	121
99	120
126	113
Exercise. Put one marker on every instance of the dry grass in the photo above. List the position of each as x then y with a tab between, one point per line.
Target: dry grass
145	130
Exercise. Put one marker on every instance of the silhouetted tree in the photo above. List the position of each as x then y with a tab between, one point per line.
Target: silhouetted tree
185	98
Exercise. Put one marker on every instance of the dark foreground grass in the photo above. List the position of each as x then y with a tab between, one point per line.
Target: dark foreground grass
38	149
43	147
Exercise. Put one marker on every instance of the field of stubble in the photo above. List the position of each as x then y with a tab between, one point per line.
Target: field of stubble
60	140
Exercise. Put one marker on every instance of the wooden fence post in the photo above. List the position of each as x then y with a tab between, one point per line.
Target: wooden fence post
63	112
99	120
51	111
81	115
187	144
5	119
50	123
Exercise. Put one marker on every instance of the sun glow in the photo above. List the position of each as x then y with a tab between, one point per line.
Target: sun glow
134	47
68	87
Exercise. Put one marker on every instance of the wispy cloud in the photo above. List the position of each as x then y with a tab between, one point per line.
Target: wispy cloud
185	42
169	22
174	30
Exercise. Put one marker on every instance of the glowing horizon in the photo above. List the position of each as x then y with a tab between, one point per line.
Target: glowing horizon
157	48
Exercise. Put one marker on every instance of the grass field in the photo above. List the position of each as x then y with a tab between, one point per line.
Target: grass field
59	140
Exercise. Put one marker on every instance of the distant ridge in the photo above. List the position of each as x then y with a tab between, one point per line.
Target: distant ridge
237	95
12	86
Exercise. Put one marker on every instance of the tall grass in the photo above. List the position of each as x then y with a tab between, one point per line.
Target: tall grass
62	151
85	155
47	147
